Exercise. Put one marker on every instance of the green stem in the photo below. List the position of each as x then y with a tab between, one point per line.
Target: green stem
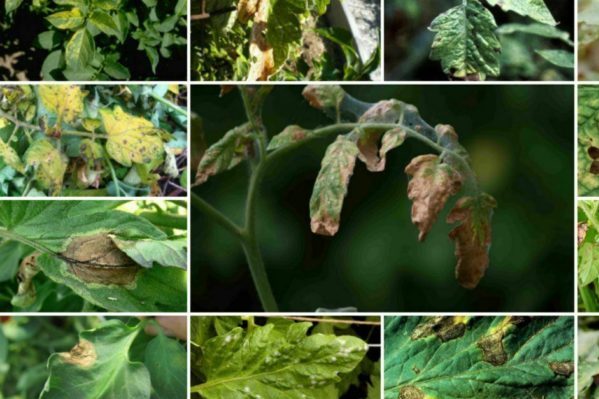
30	126
172	106
200	204
115	180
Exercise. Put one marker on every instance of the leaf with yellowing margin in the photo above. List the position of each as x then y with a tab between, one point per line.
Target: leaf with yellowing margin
49	163
66	101
131	139
10	157
80	50
71	19
472	237
331	186
431	184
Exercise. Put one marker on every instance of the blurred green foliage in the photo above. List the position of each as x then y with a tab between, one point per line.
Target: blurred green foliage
521	142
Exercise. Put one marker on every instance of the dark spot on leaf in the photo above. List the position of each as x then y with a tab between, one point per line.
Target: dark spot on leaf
451	332
594	168
492	347
562	368
443	327
593	152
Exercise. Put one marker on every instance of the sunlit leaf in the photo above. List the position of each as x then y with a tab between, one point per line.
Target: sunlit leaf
65	101
49	164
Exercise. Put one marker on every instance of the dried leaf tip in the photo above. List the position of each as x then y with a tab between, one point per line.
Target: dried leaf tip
83	354
324	97
431	184
331	186
472	237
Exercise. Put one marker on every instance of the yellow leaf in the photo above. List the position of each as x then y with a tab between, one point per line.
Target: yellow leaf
3	123
174	89
49	163
131	139
10	157
66	101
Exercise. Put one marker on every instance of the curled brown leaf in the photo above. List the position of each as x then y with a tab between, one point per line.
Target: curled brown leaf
262	63
82	355
432	183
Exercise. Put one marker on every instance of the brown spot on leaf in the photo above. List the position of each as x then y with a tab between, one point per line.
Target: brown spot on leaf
323	96
446	328
431	184
82	355
583	227
96	259
492	348
472	237
562	368
593	152
410	392
594	168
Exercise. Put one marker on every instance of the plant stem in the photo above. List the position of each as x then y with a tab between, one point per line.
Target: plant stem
113	175
329	320
172	106
37	128
210	211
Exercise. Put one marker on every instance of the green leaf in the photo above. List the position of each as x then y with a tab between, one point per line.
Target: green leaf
75	3
276	363
49	164
12	5
588	265
331	186
99	367
153	56
11	253
146	252
588	140
107	5
49	39
548	31
226	153
535	9
561	58
105	23
465	41
70	20
80	50
116	70
166	360
374	388
482	357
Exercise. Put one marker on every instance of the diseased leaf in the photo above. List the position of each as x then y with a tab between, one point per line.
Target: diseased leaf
66	101
588	140
331	186
98	367
146	252
49	163
131	139
276	363
104	22
289	135
79	50
262	63
324	97
432	183
71	19
166	361
472	237
588	265
478	357
465	41
10	157
226	153
535	9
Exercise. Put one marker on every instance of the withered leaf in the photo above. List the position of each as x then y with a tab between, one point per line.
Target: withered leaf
472	237
289	135
246	9
97	259
432	183
226	153
331	186
26	292
262	63
323	97
83	354
583	227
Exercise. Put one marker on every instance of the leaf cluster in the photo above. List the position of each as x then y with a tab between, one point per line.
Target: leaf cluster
64	140
87	39
278	358
85	255
470	46
273	40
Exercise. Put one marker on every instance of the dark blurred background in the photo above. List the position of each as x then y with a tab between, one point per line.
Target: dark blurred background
521	142
408	41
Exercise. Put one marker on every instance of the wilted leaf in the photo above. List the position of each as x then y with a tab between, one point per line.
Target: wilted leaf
283	362
432	183
71	19
98	367
49	163
131	139
465	41
535	9
289	135
331	186
478	357
226	153
246	9
262	63
66	101
10	157
472	237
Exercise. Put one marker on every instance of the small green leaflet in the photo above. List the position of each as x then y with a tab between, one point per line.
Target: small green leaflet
276	362
465	41
561	58
99	367
167	362
71	19
80	50
535	9
479	357
588	264
105	23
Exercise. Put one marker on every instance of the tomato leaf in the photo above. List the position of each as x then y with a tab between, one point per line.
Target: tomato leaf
49	163
166	360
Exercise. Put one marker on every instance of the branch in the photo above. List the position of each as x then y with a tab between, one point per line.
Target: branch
30	126
340	321
210	211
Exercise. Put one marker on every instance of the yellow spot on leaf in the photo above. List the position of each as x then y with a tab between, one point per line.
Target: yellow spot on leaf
10	157
49	163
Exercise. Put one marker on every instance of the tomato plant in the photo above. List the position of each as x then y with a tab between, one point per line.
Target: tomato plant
85	255
272	40
69	140
102	39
